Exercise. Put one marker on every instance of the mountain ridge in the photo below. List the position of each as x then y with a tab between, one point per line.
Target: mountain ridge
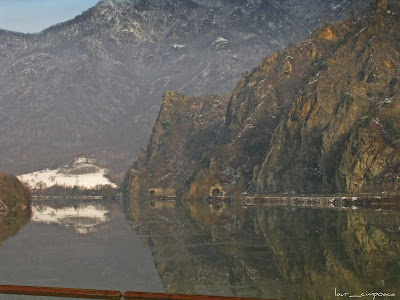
92	85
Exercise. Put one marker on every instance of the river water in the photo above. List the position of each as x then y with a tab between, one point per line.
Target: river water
222	249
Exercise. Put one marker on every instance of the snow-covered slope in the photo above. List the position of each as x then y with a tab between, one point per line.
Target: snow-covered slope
83	174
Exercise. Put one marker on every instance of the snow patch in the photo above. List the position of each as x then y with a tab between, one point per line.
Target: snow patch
220	40
360	31
83	174
335	7
178	46
312	82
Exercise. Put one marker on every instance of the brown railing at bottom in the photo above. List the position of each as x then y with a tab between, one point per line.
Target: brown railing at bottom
103	294
142	295
59	292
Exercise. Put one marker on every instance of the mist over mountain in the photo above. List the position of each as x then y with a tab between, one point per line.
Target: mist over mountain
93	85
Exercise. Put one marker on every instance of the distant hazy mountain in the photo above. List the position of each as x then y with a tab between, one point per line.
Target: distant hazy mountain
93	85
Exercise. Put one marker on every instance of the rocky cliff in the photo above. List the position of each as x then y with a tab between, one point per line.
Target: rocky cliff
93	85
341	132
320	117
13	194
186	130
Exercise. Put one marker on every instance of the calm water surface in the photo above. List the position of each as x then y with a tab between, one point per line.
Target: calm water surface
223	249
82	245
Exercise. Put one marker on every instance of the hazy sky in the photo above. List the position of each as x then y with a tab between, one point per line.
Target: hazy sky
36	15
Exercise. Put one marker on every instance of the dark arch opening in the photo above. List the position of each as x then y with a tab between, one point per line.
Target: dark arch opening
216	192
216	206
152	192
152	204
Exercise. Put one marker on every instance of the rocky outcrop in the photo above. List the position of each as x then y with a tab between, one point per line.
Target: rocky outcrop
264	97
13	194
186	130
341	132
14	201
320	117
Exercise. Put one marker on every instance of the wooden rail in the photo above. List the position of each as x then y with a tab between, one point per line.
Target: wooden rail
103	294
59	292
142	295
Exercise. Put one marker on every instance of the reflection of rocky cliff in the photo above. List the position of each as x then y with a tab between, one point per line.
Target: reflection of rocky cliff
352	251
271	252
13	222
14	202
170	237
191	260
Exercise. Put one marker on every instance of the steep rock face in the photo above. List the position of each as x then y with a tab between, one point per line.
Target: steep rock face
262	98
185	131
341	133
367	163
260	101
92	85
319	117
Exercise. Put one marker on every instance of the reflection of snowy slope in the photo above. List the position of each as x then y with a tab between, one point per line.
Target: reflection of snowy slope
83	173
83	219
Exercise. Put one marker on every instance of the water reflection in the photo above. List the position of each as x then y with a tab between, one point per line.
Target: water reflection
83	218
12	221
77	244
216	248
271	252
353	251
